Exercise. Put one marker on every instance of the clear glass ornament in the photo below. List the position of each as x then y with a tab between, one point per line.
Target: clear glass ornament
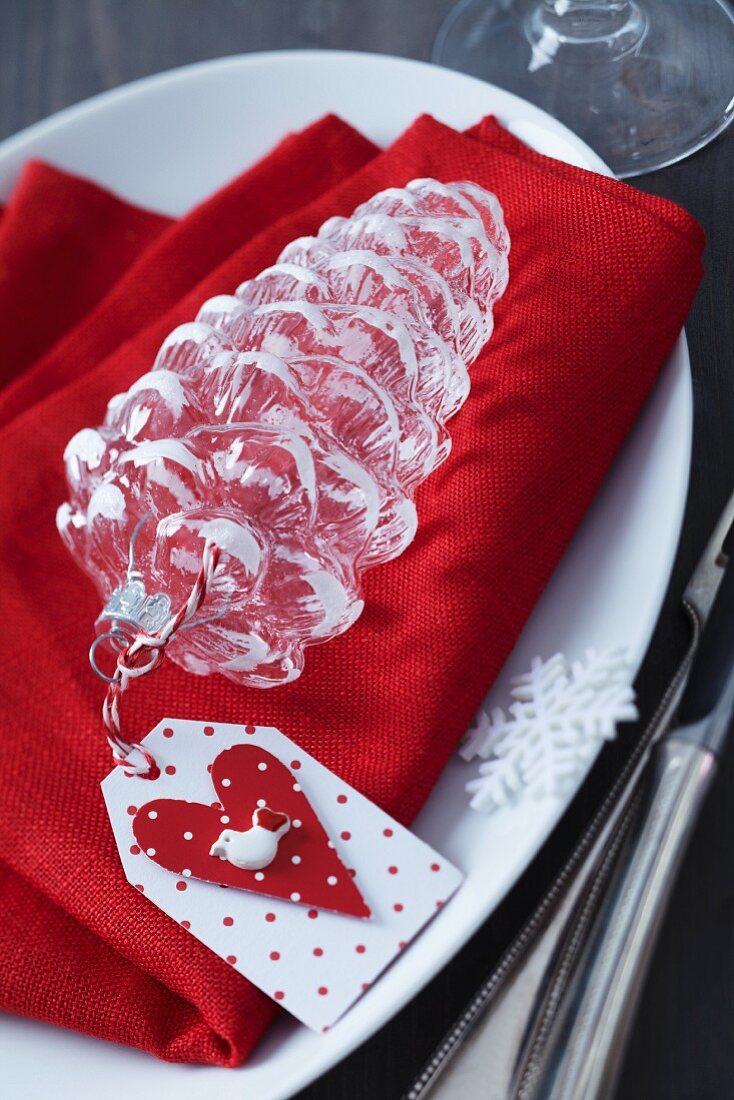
290	424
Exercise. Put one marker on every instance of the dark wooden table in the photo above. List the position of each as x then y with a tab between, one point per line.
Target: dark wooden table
55	52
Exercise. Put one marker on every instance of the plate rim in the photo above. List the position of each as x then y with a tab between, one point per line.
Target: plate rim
141	85
15	144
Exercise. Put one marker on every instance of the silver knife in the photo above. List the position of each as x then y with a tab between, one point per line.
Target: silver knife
584	1054
501	1051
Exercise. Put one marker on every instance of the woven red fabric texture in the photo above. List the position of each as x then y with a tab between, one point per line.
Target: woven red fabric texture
64	243
142	291
601	279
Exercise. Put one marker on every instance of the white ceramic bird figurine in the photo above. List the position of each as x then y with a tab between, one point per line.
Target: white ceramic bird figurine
254	848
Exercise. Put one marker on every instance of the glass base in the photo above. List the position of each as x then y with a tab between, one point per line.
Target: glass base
644	84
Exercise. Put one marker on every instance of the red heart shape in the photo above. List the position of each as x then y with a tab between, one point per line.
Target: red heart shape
306	868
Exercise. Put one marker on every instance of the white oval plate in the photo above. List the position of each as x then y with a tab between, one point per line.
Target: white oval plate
167	142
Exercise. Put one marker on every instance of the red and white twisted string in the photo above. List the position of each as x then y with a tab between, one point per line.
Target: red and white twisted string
145	655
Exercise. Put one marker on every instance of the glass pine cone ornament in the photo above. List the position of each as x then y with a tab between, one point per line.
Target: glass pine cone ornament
290	424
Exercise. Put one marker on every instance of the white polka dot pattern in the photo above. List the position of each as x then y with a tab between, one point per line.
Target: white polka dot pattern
313	962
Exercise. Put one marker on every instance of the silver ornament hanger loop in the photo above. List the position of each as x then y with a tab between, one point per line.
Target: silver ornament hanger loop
144	654
129	611
140	627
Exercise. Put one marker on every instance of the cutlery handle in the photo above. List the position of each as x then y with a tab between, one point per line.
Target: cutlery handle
705	711
586	1054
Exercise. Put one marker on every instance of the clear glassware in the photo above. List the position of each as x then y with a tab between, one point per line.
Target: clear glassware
289	423
643	82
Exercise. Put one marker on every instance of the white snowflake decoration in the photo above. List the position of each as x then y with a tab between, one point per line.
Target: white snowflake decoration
562	711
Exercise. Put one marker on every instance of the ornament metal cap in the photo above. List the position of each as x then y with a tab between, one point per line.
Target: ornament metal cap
130	610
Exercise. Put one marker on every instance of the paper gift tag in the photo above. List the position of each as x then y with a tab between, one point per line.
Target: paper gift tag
343	887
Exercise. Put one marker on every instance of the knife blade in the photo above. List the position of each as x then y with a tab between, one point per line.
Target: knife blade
525	987
583	1058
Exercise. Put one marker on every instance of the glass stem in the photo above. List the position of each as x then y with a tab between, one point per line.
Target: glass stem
606	28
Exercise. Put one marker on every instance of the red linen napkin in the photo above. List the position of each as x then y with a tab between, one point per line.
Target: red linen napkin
64	242
601	279
139	291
